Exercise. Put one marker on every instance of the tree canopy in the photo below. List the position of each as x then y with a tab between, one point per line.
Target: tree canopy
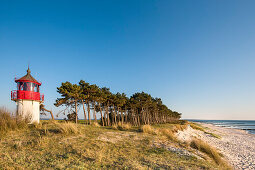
138	109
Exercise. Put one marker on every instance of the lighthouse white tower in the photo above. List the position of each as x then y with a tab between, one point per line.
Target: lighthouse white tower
28	97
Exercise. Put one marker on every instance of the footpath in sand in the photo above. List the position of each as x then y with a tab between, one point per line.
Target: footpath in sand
237	146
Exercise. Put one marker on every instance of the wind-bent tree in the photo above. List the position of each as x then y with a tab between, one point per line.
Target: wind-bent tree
106	104
93	98
70	94
101	98
43	110
140	109
84	97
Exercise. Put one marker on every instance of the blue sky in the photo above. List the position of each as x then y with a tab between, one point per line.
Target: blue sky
198	56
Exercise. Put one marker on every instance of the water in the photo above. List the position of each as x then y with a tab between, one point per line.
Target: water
248	125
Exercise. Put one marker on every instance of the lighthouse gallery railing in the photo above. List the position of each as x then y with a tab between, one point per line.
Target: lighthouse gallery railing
27	95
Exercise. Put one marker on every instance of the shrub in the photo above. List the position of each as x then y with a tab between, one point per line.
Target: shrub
68	128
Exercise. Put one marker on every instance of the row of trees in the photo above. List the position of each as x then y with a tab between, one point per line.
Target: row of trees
139	109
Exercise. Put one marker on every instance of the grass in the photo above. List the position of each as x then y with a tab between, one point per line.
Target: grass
61	145
68	128
122	126
199	127
148	129
168	133
210	151
9	122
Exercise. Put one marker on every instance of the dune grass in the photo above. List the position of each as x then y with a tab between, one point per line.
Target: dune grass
61	145
148	129
68	128
121	126
9	122
210	151
199	127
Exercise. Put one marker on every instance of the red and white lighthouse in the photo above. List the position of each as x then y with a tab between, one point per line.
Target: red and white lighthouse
28	97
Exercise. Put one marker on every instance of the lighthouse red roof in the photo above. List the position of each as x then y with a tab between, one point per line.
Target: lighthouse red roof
28	77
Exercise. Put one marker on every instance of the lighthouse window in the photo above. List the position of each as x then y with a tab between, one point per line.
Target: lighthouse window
25	88
35	86
20	86
29	86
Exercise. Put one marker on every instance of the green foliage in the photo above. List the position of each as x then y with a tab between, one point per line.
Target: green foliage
139	109
70	94
71	116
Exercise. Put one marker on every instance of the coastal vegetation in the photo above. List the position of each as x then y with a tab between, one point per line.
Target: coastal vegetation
138	109
59	144
210	151
203	129
9	122
136	132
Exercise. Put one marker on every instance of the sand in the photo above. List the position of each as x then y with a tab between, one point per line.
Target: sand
237	146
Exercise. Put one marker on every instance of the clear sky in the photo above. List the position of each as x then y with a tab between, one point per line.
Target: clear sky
198	56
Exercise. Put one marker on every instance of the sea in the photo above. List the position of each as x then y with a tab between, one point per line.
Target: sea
248	125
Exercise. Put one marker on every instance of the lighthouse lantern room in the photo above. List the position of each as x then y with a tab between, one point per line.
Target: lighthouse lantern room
28	97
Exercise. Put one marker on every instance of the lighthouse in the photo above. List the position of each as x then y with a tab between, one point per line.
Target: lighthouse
28	97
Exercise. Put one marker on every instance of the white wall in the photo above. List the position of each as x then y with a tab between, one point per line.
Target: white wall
29	109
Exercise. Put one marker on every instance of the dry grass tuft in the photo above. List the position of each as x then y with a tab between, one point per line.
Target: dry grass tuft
168	133
209	150
115	126
179	127
148	129
95	124
125	126
9	122
68	128
120	126
197	127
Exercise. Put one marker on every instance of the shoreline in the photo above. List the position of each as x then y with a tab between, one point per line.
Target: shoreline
237	145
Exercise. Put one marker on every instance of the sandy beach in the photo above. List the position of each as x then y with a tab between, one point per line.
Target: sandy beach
237	146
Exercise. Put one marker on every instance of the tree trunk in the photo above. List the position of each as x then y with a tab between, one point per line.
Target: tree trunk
52	117
102	118
95	116
76	116
122	117
126	115
88	112
115	119
107	112
84	110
